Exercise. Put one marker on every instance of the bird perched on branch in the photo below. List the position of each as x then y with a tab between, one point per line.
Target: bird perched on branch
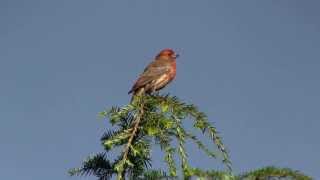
160	72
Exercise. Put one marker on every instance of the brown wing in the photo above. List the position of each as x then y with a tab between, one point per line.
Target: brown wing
151	73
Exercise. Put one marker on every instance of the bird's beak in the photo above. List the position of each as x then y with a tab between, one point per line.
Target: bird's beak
176	56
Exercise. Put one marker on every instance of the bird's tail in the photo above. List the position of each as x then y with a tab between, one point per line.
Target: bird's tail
139	92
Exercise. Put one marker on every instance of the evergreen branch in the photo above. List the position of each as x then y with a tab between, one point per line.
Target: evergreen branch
217	140
200	145
201	122
212	174
163	138
273	173
117	114
140	161
169	154
184	161
181	110
124	161
154	175
111	138
96	165
181	134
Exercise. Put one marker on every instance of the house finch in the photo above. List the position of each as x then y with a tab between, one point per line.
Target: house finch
157	74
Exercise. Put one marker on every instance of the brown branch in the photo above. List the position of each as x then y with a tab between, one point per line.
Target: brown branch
134	132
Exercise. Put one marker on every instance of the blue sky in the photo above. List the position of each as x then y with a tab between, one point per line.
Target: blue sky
252	66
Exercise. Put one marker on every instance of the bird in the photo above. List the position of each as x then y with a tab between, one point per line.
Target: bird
159	73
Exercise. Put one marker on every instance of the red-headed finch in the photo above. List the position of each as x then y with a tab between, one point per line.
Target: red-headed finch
160	72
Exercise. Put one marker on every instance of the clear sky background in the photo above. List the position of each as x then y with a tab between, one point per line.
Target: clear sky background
252	66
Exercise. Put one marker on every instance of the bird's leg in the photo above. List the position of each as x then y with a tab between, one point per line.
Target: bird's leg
154	93
136	94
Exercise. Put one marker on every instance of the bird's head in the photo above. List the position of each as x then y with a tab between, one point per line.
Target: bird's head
167	54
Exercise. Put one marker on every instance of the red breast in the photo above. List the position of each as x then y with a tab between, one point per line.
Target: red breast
173	70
